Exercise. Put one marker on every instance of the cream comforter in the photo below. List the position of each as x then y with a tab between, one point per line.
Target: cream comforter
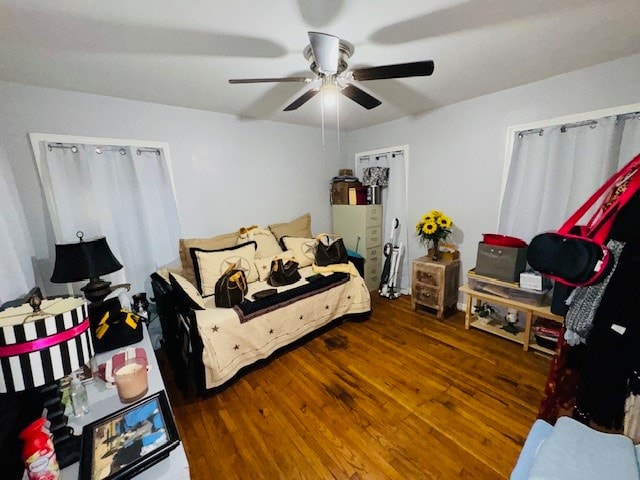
230	345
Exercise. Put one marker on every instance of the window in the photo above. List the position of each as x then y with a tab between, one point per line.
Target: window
119	189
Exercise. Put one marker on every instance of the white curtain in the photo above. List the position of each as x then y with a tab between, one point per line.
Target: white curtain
394	205
553	173
16	248
630	141
124	194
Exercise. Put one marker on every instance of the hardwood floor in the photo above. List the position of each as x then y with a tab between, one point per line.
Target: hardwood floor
401	395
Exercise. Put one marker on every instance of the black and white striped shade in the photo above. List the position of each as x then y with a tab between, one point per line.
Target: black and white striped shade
41	349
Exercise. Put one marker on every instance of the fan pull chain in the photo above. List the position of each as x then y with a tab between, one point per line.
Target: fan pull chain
338	120
322	114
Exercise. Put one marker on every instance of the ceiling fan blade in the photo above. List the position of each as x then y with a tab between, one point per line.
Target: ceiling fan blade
302	99
326	52
270	80
400	70
360	96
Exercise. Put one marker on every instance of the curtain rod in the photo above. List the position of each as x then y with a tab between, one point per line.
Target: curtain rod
148	149
74	148
628	116
381	155
112	148
563	128
101	148
589	123
524	133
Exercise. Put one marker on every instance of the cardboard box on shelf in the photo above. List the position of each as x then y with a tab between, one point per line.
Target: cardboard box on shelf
340	192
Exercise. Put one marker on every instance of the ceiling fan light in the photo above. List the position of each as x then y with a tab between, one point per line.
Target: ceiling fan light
329	91
329	98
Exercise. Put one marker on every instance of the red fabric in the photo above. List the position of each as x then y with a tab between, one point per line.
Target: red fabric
620	187
560	390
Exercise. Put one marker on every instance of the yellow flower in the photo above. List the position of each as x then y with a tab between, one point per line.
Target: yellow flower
433	226
429	227
444	221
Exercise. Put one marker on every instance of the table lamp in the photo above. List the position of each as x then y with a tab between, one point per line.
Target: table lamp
82	260
40	343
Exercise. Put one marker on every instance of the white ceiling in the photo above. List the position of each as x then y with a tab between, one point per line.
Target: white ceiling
183	52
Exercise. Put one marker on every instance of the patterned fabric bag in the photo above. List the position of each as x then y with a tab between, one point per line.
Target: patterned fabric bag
375	176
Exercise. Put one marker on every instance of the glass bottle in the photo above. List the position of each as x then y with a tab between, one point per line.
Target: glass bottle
79	398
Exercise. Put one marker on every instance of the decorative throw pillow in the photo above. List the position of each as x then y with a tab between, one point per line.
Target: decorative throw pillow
209	265
186	294
264	264
267	245
304	249
218	242
299	227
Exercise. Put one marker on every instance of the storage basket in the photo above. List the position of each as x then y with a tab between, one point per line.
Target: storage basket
511	291
546	342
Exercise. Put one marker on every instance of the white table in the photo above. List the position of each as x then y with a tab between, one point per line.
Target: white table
104	401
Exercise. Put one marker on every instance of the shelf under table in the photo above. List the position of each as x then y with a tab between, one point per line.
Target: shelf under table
531	313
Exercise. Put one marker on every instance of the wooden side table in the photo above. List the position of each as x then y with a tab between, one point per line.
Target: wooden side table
434	284
532	312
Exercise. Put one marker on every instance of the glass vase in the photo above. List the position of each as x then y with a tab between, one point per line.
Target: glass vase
435	252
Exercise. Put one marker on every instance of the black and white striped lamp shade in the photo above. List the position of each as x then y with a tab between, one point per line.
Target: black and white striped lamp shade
37	350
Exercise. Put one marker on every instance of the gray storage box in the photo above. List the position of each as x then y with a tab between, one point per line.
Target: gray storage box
503	263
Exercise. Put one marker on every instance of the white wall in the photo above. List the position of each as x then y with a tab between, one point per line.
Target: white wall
228	172
457	152
231	172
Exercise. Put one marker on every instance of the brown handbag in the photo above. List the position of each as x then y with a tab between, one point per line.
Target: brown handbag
231	288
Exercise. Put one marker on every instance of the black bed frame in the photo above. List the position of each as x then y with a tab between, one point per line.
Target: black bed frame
183	346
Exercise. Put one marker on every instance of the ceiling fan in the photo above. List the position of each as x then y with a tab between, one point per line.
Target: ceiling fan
328	55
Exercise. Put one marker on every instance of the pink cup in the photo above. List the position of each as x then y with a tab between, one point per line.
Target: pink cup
131	380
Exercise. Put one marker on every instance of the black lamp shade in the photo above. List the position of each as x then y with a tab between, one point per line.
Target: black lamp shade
82	260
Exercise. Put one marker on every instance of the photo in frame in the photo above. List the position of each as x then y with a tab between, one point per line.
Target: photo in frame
128	441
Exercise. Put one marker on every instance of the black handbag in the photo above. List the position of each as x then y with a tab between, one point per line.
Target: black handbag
283	273
231	288
577	255
330	251
112	327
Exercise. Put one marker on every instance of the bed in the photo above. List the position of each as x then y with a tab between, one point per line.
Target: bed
216	345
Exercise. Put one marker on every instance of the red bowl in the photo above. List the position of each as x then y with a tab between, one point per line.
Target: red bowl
503	240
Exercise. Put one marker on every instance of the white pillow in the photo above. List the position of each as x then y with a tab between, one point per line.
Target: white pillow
264	264
209	265
304	249
267	245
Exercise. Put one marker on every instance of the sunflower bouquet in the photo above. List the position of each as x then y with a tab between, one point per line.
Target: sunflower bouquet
432	228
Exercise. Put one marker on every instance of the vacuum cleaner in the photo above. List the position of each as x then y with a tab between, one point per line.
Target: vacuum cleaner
393	253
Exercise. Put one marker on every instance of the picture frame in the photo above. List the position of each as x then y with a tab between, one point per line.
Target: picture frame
128	441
